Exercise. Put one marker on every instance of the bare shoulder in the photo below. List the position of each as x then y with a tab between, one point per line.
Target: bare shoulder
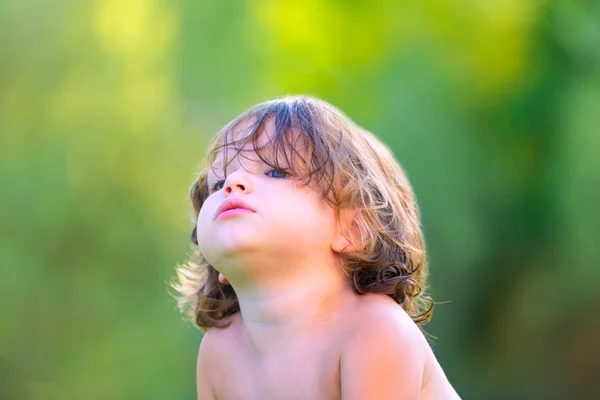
384	353
213	358
204	366
380	316
220	338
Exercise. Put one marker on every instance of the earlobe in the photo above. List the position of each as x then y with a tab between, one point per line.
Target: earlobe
223	280
341	245
349	238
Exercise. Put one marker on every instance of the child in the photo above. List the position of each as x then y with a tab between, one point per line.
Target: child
311	264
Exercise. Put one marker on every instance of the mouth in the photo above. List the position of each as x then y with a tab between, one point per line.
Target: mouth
233	206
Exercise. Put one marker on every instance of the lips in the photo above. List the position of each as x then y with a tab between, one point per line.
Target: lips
232	203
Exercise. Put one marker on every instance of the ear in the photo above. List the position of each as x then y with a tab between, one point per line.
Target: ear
348	238
223	280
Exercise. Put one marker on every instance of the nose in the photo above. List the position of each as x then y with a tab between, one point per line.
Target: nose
237	181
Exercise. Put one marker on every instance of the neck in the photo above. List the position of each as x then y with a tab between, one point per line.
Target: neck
281	308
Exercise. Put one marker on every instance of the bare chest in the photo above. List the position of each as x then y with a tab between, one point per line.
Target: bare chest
298	373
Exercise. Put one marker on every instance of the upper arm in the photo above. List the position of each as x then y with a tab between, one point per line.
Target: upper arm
205	361
383	359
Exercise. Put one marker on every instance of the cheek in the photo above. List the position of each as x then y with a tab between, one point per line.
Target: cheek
308	214
205	217
202	219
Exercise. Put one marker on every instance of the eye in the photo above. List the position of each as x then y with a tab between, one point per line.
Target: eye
218	185
277	174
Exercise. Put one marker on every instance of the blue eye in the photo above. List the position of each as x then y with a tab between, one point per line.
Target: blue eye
219	185
277	174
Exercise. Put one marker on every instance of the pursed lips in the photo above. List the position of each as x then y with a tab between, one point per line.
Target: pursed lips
232	203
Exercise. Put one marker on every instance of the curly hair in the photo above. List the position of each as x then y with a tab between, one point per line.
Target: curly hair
352	169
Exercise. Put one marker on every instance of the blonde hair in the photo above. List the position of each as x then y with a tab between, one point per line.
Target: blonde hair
352	169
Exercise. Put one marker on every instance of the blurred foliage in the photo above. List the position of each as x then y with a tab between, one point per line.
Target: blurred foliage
105	112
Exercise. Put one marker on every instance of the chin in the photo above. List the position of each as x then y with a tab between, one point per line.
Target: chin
227	242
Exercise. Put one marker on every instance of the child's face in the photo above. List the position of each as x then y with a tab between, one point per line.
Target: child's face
285	222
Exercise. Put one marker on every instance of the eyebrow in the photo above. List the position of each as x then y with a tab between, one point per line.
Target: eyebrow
216	165
237	153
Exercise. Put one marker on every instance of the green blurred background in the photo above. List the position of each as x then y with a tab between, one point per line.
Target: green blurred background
106	108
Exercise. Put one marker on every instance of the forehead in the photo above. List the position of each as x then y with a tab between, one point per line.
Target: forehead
258	141
242	139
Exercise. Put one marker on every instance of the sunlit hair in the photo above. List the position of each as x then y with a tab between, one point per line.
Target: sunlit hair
319	145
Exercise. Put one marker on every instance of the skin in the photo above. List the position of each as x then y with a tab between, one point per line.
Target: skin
301	333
